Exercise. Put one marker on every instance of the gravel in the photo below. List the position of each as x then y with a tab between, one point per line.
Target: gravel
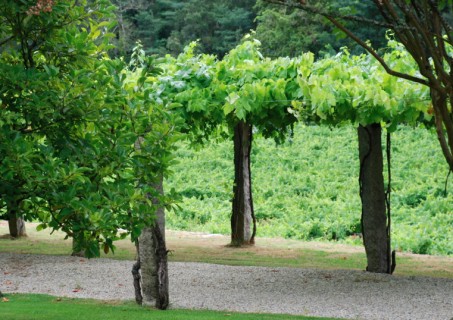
329	293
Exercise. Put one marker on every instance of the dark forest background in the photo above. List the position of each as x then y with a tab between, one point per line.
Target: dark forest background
166	26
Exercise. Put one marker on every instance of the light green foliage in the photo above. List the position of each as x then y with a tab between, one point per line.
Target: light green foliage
259	89
212	95
308	188
184	88
271	94
347	88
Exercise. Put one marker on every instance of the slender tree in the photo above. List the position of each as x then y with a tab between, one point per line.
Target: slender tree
155	136
232	97
259	97
356	89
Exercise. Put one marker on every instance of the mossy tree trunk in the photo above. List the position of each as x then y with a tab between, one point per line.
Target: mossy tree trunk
373	197
153	287
243	222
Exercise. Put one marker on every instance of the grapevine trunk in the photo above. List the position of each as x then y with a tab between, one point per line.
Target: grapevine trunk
372	193
243	222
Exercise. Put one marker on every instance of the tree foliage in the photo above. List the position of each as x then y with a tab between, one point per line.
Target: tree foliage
348	88
69	121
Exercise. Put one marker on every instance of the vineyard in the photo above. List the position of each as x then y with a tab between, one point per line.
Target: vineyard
308	188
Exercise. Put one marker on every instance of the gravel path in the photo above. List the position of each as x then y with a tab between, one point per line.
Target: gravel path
339	293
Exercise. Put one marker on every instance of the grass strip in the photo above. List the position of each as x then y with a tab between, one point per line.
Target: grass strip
45	307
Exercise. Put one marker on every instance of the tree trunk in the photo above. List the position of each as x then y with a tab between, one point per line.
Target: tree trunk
444	124
374	218
243	217
77	241
152	261
15	223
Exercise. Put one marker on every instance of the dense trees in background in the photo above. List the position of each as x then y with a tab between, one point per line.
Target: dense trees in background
167	26
288	31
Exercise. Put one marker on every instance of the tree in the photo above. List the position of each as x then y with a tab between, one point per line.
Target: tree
259	98
356	89
68	126
36	78
428	37
289	32
237	95
70	121
425	32
126	27
157	133
375	227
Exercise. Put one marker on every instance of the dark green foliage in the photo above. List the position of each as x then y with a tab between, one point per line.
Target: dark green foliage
69	119
167	26
287	31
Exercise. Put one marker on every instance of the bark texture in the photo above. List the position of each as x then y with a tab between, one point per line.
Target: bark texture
136	276
15	223
372	193
152	262
243	222
444	124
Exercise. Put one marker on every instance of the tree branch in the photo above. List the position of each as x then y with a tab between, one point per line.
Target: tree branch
376	55
336	15
2	42
332	18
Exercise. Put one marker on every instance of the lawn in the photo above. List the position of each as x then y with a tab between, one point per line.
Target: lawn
44	307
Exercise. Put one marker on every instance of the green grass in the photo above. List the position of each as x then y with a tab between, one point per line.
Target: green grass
308	188
37	307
